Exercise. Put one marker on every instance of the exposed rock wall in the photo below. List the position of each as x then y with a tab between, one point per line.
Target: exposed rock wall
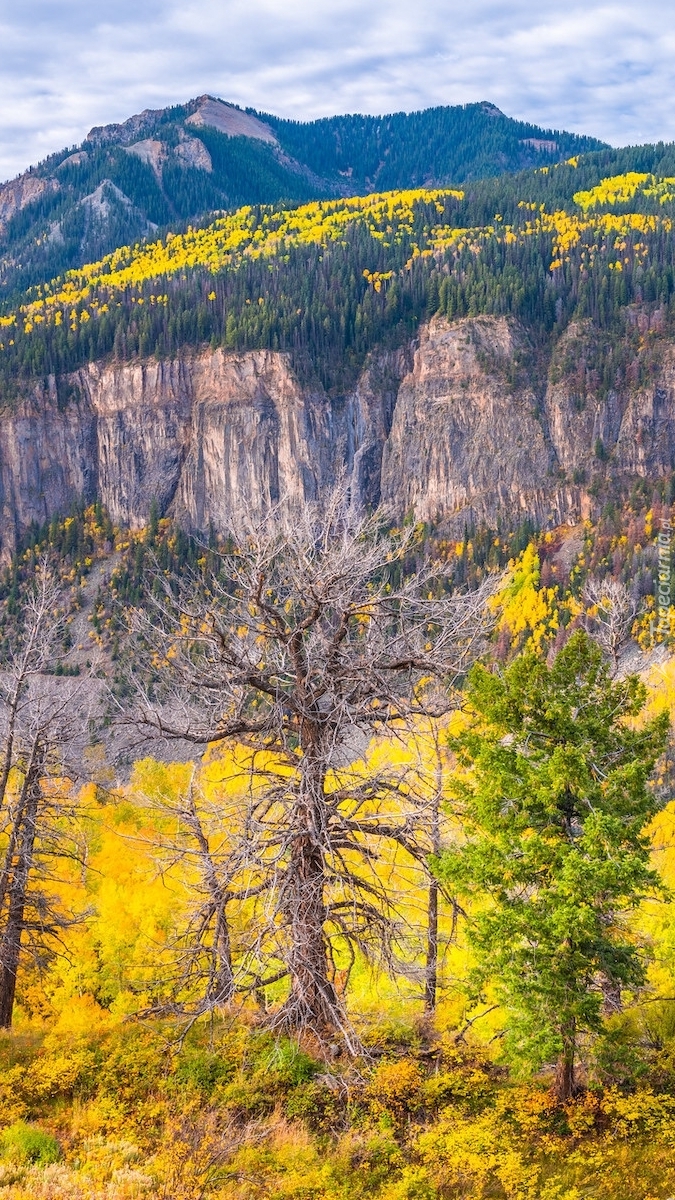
48	458
463	436
484	429
22	191
468	423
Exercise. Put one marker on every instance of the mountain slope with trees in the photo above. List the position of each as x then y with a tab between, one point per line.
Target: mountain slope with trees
436	146
166	167
331	280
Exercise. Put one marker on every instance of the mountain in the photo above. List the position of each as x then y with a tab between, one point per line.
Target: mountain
421	149
492	353
170	166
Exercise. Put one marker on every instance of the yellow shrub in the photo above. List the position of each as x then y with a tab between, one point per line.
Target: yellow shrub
13	1106
395	1089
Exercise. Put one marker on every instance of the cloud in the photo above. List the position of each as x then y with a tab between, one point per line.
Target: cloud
601	68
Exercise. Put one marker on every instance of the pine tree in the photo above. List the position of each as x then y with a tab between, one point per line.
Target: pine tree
555	799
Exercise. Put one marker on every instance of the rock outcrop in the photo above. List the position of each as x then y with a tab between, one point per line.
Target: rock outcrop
230	120
464	438
21	192
467	424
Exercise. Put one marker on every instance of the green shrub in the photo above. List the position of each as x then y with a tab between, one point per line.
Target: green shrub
320	1107
393	1035
203	1070
276	1068
27	1144
288	1065
245	1098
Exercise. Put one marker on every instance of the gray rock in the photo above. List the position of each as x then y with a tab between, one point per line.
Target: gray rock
468	423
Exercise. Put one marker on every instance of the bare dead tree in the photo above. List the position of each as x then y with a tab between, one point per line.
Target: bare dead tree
314	636
431	973
44	726
213	914
613	611
37	634
211	845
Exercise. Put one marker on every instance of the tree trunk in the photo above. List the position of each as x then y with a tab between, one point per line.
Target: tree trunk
565	1083
313	1002
17	889
221	987
431	981
9	743
431	974
15	830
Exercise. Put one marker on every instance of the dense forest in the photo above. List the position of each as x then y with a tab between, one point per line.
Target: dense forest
420	149
64	222
331	280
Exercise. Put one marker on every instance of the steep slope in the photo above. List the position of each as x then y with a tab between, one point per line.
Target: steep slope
465	372
170	166
438	428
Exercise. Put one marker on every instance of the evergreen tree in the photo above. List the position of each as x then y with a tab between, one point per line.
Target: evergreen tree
555	799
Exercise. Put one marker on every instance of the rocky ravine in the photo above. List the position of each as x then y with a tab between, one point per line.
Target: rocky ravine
446	427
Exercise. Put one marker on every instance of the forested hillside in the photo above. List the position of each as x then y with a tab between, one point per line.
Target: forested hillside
331	280
163	168
436	146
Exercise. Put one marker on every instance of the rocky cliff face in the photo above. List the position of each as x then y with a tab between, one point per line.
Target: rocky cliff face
465	438
468	424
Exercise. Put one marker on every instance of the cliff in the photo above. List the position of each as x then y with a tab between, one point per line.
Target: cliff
469	423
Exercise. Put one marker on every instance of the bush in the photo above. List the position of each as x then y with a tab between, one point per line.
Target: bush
395	1089
286	1065
132	1062
278	1067
319	1106
469	1089
203	1070
27	1144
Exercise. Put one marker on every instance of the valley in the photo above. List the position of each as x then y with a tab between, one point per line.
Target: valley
337	477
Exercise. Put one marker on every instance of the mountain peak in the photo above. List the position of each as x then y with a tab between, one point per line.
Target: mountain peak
229	119
177	164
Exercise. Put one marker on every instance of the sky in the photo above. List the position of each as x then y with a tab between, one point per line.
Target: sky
606	69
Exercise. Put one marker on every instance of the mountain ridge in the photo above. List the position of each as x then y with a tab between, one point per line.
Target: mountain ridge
175	165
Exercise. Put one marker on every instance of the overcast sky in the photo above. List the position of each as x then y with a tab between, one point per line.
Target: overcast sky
604	69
